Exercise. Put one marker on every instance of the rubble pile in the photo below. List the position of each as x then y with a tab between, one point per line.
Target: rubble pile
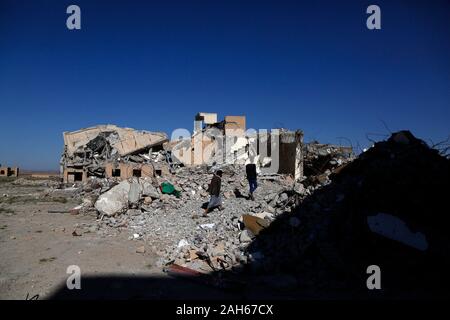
320	160
164	211
388	207
385	207
96	151
174	227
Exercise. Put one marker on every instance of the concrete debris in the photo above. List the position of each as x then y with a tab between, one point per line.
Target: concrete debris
149	190
219	240
182	243
385	207
134	194
158	205
227	142
320	160
254	224
207	226
114	201
246	236
140	249
112	152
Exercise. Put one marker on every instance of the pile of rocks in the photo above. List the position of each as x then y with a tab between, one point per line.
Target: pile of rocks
174	227
385	208
320	160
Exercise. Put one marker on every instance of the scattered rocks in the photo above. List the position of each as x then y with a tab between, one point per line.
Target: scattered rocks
166	221
140	249
245	236
114	201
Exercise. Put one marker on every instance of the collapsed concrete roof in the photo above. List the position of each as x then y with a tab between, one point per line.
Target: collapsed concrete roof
126	142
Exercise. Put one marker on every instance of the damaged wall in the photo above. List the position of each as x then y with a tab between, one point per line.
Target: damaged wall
227	142
128	170
110	151
124	140
291	157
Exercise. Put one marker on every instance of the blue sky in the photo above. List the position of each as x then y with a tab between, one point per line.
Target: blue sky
153	65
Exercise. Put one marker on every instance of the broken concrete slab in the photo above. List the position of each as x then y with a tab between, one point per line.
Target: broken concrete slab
148	189
114	201
110	151
124	140
245	236
134	194
254	224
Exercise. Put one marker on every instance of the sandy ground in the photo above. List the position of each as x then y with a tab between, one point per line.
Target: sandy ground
36	247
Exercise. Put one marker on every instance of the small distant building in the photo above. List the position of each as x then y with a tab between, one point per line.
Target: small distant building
9	172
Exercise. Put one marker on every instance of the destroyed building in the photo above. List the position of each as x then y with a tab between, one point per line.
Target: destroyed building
9	171
278	152
385	206
162	210
110	151
345	213
229	142
320	160
212	142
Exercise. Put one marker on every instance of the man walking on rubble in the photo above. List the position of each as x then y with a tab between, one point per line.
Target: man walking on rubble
250	170
214	190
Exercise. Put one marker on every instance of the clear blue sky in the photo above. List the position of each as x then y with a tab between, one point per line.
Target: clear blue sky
152	65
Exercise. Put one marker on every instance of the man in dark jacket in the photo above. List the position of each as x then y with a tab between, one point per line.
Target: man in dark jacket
250	170
214	191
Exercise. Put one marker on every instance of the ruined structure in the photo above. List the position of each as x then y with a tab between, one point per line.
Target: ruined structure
213	142
110	151
229	142
278	152
321	159
9	171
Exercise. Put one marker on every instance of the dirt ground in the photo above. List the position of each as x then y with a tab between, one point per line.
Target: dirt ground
36	246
